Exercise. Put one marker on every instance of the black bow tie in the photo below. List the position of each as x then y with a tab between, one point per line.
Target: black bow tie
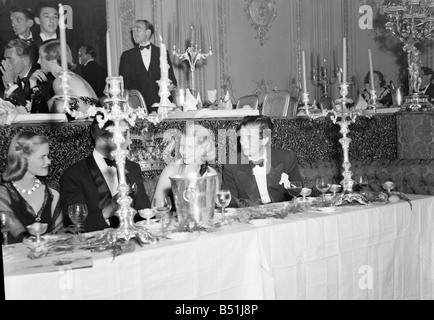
145	47
110	163
256	163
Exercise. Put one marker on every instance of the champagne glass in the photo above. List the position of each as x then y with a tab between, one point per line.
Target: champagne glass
389	186
77	213
36	230
5	228
322	185
362	182
294	190
335	188
223	198
147	214
161	208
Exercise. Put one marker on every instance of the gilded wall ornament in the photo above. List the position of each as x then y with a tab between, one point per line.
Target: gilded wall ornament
261	13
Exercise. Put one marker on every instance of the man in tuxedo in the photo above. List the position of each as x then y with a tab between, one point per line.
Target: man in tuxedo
140	66
94	181
256	176
47	17
427	87
92	72
22	79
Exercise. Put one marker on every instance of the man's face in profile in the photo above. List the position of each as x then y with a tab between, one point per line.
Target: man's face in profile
251	143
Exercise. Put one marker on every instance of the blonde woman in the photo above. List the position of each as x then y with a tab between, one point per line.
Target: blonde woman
197	150
25	195
50	62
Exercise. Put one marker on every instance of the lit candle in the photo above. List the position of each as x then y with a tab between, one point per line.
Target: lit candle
62	27
371	70
192	36
344	78
209	34
303	57
163	60
109	57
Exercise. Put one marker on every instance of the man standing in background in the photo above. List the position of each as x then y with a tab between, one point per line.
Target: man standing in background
92	72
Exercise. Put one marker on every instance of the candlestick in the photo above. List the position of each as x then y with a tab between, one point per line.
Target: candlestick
109	58
62	27
371	70
303	57
344	60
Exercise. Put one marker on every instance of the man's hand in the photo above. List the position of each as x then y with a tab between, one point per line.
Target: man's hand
9	74
110	210
38	75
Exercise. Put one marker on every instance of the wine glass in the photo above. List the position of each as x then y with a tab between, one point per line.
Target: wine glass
294	190
362	182
36	230
322	185
223	198
147	214
77	213
5	228
161	208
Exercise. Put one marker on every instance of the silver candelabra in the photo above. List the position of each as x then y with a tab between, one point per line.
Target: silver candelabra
320	78
412	22
115	108
192	55
343	116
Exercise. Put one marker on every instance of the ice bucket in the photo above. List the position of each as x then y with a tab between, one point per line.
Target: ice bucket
194	199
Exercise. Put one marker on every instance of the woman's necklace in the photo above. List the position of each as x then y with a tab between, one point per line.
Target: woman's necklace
25	191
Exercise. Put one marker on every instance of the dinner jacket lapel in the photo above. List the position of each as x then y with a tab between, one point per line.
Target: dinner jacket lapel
138	58
273	179
104	195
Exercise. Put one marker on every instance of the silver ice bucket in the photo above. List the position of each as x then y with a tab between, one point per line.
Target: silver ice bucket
194	199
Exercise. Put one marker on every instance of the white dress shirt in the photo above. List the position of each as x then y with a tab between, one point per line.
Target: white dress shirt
45	38
260	174
146	56
110	173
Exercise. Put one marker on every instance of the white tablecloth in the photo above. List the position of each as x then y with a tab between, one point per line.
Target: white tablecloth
359	252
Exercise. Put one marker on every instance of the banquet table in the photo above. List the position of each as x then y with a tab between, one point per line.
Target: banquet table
376	251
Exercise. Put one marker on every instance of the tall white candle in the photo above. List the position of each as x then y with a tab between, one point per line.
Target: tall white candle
344	60
192	36
163	60
109	56
371	70
303	58
62	28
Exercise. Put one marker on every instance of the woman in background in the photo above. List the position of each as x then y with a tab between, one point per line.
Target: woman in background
384	95
26	196
50	62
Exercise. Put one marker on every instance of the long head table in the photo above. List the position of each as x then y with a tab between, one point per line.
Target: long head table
380	251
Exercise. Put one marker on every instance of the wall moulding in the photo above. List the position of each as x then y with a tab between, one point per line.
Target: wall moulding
261	14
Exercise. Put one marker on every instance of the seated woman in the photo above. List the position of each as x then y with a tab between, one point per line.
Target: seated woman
197	150
50	61
384	95
25	195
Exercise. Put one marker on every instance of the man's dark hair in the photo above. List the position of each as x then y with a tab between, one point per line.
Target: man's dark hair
22	47
89	50
148	25
264	123
26	11
47	4
426	70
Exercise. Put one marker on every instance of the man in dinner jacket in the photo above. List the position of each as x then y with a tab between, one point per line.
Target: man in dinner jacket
94	181
140	66
256	176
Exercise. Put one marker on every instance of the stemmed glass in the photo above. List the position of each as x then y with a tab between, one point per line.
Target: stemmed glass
36	230
161	208
77	213
5	227
389	186
362	182
147	214
294	190
223	198
335	188
322	185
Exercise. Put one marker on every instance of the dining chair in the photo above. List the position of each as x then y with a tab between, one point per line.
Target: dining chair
276	103
250	100
135	100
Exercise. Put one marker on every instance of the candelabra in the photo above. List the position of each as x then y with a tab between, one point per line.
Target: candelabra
320	78
343	117
192	55
412	22
115	108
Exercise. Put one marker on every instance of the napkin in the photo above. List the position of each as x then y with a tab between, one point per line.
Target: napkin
212	95
227	101
199	101
190	102
284	179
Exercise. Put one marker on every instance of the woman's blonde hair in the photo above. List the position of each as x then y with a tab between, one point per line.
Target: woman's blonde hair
52	50
23	144
203	138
